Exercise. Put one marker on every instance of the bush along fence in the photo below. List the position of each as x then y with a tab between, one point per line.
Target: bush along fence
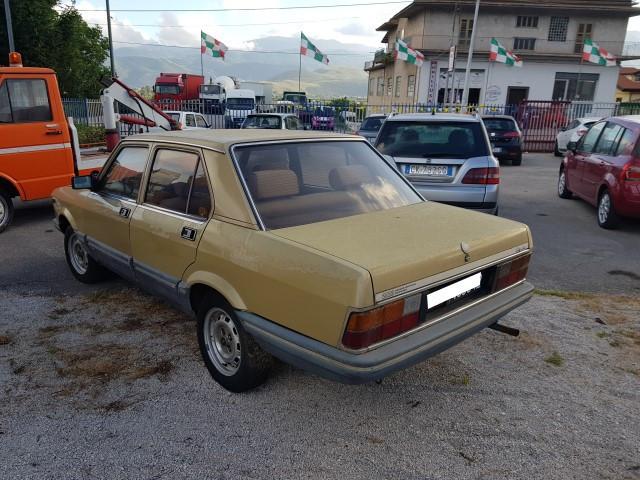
539	121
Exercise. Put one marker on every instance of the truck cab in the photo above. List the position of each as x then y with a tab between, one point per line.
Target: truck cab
36	145
239	104
173	88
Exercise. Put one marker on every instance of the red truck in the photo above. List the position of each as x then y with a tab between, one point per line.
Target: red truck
172	88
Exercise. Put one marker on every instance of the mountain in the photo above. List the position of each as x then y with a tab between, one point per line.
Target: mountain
139	65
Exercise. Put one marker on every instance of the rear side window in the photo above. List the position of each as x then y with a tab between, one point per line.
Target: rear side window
438	139
172	182
190	121
200	121
24	101
609	139
125	173
500	124
625	146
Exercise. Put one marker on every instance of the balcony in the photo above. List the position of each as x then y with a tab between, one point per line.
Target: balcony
380	59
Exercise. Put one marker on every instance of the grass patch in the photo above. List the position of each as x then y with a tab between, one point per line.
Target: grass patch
555	359
602	334
563	294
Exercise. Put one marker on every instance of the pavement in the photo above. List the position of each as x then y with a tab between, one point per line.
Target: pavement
571	252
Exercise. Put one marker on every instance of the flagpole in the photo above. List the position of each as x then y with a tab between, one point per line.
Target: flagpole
486	83
299	70
465	89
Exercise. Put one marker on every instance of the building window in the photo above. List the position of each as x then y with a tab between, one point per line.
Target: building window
389	86
411	86
575	86
372	86
524	43
558	29
398	84
466	27
584	32
636	77
527	22
380	91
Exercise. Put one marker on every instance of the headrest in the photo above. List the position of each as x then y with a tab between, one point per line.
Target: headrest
342	178
266	184
180	189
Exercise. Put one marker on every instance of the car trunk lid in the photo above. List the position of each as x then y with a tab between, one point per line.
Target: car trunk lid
404	247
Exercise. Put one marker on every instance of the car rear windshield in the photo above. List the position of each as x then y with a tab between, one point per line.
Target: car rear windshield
372	124
440	139
499	124
262	121
306	182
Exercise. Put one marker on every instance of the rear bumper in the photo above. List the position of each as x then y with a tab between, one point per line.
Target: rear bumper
347	367
508	151
483	198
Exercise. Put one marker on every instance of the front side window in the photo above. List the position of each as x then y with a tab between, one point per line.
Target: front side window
558	29
588	141
609	139
125	173
442	139
319	181
24	101
189	120
201	122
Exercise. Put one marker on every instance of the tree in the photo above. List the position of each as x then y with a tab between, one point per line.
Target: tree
60	40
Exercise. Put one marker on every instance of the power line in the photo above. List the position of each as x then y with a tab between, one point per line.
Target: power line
297	52
300	7
226	24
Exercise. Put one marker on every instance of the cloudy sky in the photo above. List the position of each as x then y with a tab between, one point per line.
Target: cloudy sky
237	28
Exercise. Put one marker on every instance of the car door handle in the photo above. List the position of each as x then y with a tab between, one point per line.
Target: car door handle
53	129
124	212
189	233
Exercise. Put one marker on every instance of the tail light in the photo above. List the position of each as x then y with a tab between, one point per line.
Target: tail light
512	272
483	176
511	135
631	172
366	328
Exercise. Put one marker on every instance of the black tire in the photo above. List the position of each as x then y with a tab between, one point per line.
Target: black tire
81	264
563	191
231	355
557	151
6	211
517	161
606	213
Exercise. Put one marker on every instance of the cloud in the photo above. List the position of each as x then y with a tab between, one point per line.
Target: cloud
176	36
354	28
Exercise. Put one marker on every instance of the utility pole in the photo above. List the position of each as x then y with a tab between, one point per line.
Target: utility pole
7	13
112	60
465	90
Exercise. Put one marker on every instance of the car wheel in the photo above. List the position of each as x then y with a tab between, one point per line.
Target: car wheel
6	211
81	264
231	355
517	161
563	191
607	216
557	151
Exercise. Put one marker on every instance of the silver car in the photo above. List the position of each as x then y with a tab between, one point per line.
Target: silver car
447	157
371	126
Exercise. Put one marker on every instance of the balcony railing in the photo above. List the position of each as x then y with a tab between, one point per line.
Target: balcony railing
381	57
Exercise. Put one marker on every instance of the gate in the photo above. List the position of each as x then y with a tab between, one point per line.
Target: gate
540	122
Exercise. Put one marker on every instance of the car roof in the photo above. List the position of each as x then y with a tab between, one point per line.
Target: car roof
377	115
504	117
274	114
430	117
221	139
179	111
588	119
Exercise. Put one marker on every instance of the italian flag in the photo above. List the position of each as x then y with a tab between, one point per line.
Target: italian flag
502	55
408	54
215	47
310	50
593	53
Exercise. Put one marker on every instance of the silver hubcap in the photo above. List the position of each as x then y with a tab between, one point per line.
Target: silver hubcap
561	184
78	254
604	208
3	211
223	341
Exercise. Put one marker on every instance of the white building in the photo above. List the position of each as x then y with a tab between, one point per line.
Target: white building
547	35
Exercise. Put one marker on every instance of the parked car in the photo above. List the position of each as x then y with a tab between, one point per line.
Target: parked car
324	118
273	121
316	251
572	133
188	120
505	137
371	126
603	168
447	157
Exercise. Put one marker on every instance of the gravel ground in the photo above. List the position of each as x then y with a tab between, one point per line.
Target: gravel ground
109	384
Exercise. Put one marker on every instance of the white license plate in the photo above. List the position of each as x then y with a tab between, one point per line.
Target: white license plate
497	149
430	170
454	290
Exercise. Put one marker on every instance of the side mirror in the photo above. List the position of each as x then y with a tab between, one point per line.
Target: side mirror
572	146
83	182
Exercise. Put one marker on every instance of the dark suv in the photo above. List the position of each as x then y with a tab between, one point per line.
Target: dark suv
505	137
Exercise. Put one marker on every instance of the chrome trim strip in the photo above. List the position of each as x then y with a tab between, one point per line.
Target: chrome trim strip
169	141
434	280
173	213
35	148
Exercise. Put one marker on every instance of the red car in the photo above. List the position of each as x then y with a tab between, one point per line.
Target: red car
603	168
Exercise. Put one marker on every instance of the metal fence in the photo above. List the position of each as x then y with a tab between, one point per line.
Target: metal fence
540	121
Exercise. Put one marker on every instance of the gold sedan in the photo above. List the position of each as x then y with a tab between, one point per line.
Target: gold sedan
305	246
